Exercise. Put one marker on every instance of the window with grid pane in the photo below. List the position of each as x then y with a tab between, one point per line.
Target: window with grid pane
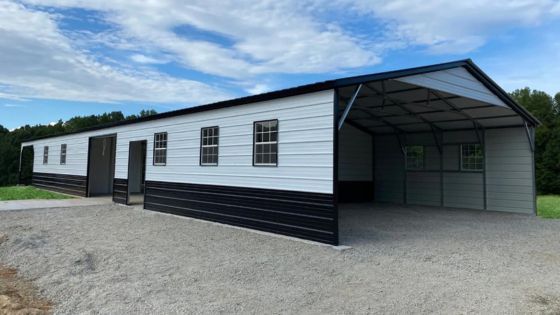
160	148
209	145
472	157
266	143
46	155
415	157
63	154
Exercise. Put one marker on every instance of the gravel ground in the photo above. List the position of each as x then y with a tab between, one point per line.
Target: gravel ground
115	260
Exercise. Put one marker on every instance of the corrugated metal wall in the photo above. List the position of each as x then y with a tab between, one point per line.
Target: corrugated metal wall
354	155
509	172
509	175
389	170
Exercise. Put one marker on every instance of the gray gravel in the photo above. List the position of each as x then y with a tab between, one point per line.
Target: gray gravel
115	260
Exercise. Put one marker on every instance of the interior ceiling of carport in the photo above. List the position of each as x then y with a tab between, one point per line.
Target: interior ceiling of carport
441	100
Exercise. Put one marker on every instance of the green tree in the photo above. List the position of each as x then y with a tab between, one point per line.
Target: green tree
547	155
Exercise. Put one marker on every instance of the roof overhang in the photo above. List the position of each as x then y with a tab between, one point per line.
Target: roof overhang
450	96
412	78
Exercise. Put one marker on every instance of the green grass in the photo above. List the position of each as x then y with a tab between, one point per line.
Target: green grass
28	192
548	207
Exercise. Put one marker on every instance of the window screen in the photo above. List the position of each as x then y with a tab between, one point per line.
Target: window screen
266	143
160	148
415	157
209	145
63	154
46	155
472	158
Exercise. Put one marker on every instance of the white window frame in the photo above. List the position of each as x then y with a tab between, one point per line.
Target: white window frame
269	142
481	157
46	154
415	167
211	133
160	145
63	149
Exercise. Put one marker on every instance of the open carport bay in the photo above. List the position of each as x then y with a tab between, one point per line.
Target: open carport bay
404	259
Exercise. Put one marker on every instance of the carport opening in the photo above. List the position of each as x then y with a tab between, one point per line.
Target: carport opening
418	139
101	161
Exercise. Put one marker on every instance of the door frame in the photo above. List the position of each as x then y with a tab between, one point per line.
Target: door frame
145	145
90	141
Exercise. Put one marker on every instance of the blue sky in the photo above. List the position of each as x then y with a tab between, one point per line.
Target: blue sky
61	58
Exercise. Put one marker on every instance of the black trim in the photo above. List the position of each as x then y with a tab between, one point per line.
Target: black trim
200	151
355	191
277	141
327	85
68	184
335	160
120	191
90	141
300	214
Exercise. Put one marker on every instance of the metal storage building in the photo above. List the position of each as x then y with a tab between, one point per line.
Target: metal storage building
442	135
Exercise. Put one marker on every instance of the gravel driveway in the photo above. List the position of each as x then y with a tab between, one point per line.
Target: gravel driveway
114	259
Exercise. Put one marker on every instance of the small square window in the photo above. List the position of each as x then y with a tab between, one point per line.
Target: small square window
415	157
472	157
265	143
160	148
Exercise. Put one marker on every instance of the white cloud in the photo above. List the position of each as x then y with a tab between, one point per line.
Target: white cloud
258	88
38	61
446	26
139	58
266	37
10	105
244	41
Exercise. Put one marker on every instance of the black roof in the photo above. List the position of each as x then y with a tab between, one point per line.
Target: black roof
468	64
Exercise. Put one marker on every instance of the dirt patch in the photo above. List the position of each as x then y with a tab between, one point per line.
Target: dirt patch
19	296
546	304
3	238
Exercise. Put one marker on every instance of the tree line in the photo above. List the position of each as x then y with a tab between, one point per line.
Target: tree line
10	141
542	105
547	151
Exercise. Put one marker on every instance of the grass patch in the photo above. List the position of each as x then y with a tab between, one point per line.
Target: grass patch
28	192
548	207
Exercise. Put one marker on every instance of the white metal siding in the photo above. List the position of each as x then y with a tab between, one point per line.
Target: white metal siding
509	170
457	81
76	155
355	160
305	159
